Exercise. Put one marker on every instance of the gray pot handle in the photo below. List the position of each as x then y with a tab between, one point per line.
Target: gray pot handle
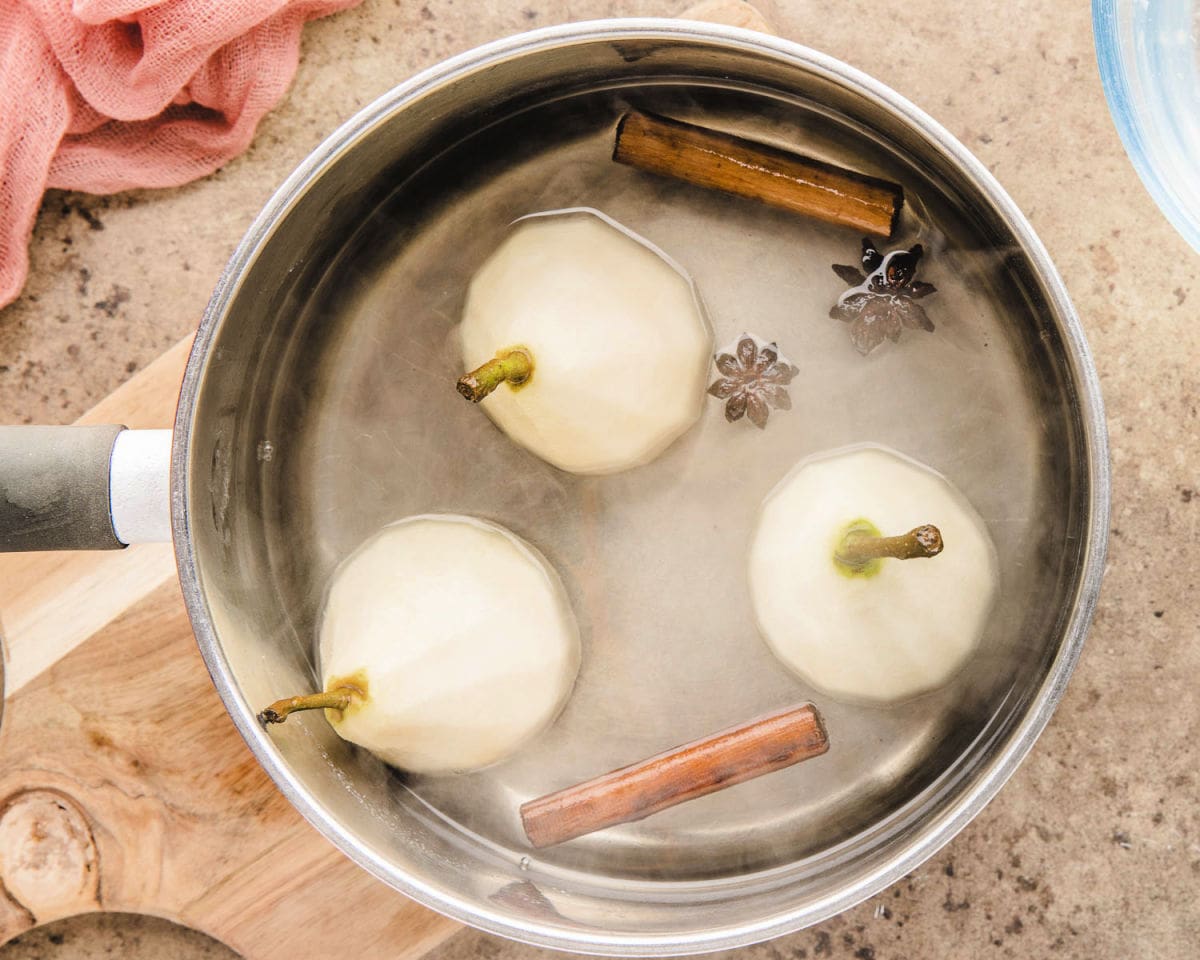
82	488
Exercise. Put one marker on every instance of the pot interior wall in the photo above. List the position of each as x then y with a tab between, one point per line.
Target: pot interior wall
327	409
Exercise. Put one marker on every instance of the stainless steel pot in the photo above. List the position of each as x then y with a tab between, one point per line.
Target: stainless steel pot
282	461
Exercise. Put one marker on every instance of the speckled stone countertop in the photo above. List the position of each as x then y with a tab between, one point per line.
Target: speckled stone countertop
1093	849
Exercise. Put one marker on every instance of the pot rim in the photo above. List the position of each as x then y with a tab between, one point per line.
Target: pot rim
934	833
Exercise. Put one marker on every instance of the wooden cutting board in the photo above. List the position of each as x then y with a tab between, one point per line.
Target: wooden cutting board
123	783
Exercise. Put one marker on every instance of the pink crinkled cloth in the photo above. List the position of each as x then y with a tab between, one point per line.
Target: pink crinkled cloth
105	95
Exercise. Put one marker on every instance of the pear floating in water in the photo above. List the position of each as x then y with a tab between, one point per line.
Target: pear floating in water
446	643
871	576
589	345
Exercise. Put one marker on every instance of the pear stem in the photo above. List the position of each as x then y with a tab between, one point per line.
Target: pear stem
336	699
859	548
513	366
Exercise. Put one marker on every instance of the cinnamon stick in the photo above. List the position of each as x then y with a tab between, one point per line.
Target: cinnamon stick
790	181
703	766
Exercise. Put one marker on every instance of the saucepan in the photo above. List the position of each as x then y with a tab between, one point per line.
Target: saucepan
319	405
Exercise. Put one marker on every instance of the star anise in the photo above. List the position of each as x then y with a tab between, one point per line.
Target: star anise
754	378
883	297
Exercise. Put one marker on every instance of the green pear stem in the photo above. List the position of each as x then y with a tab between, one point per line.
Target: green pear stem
336	699
858	548
513	366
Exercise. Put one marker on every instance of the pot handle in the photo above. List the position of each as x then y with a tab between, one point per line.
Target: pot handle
83	488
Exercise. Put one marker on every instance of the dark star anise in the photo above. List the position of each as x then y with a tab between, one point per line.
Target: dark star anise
754	378
883	297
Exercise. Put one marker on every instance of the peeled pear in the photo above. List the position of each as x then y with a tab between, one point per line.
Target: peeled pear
589	344
881	629
446	643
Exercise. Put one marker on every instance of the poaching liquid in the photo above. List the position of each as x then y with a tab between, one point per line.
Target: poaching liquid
654	558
